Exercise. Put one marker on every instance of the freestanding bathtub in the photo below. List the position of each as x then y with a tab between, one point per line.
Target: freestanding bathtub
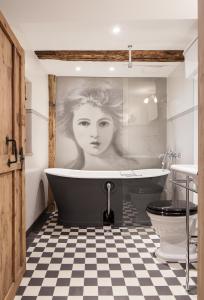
81	196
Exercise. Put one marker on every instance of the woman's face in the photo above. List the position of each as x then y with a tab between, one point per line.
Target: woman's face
93	129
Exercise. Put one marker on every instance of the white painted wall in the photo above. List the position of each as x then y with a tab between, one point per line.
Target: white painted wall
196	121
182	129
36	196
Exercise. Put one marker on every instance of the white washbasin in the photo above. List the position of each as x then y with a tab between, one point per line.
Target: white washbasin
191	170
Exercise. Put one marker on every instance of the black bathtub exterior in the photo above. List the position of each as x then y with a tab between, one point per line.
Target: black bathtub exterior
82	201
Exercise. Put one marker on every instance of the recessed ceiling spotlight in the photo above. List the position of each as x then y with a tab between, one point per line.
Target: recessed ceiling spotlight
78	69
146	100
155	99
111	69
116	29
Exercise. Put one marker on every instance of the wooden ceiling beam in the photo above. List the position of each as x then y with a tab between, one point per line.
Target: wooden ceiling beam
113	55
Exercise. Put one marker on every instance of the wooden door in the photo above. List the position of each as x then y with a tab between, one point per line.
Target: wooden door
12	119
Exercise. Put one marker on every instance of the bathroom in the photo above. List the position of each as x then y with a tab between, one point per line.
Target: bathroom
159	115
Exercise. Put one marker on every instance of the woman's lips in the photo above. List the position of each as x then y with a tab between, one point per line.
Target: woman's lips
96	144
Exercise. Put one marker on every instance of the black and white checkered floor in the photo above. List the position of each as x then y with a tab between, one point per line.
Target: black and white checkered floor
99	263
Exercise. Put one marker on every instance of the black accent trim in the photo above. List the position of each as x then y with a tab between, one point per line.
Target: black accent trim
14	150
171	208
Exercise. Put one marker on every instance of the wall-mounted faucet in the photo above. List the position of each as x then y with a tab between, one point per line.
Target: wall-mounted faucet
169	155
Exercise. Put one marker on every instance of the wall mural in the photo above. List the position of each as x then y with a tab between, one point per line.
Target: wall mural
110	123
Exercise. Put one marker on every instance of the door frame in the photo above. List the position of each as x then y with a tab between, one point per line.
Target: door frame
200	149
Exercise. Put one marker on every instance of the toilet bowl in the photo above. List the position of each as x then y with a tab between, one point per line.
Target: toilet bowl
168	218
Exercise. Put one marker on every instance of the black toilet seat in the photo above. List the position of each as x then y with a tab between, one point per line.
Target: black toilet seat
171	208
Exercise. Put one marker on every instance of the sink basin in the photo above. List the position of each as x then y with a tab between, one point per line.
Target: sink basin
191	170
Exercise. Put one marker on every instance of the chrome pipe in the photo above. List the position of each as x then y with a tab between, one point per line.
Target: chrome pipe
173	180
130	56
185	187
182	180
187	233
108	185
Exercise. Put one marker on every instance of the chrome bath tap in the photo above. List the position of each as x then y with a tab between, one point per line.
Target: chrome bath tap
169	155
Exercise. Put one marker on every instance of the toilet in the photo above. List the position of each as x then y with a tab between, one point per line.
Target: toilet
168	218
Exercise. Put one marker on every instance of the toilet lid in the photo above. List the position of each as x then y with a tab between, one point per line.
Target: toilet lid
171	208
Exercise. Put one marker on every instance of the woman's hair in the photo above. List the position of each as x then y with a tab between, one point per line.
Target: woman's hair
109	100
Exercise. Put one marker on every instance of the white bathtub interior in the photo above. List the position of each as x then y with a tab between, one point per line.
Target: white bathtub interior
71	173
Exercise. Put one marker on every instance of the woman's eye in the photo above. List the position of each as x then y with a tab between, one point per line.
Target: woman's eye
104	124
84	123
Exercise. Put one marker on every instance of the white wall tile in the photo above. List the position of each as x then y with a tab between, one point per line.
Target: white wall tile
182	129
180	92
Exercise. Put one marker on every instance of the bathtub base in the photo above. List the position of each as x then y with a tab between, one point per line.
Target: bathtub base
82	202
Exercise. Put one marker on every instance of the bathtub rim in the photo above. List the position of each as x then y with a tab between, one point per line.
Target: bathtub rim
120	174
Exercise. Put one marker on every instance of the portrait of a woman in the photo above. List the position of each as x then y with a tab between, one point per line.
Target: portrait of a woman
92	117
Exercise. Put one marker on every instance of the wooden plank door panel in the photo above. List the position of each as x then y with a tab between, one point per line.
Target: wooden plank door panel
7	234
18	123
6	97
18	225
12	125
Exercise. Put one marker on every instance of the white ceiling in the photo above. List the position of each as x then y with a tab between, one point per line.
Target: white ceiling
87	25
